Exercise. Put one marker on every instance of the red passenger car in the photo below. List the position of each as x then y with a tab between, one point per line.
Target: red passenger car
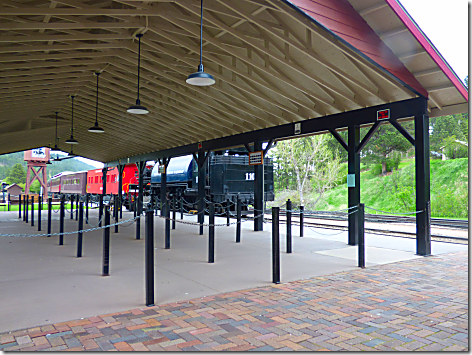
95	180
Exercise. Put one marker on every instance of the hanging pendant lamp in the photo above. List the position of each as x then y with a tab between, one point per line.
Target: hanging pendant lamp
71	140
138	109
96	128
200	78
56	141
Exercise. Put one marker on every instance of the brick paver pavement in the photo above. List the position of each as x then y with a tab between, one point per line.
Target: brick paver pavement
413	305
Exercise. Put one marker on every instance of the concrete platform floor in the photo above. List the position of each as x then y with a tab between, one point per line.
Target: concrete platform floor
43	283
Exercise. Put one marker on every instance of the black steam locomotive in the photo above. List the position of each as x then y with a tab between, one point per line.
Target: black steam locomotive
228	176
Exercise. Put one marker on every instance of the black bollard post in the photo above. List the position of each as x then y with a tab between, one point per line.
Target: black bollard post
166	214
100	209
149	257
24	207
49	215
181	207
86	207
275	246
174	212
227	212
8	202
19	206
32	211
40	208
134	207
238	218
361	246
302	212
77	207
27	208
288	215
115	210
81	227
61	222
211	234
71	206
106	243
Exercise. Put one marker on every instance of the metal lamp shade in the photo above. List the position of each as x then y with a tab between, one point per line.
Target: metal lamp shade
200	78
138	109
96	129
71	140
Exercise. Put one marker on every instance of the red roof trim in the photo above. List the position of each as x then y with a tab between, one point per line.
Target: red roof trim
428	47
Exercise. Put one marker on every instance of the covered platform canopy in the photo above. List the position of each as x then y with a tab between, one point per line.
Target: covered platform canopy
275	62
282	69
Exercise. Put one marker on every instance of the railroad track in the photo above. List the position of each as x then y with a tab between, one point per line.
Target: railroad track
400	234
377	218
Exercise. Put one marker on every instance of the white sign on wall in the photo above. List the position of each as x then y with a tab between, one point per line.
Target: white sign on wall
38	153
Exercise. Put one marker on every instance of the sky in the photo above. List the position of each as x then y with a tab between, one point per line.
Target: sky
445	22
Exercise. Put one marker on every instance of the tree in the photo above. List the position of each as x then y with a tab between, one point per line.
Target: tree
17	174
308	159
383	143
446	131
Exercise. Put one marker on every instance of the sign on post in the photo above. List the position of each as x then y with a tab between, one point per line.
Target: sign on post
256	158
162	169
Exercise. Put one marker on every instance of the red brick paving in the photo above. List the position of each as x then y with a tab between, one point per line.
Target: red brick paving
413	305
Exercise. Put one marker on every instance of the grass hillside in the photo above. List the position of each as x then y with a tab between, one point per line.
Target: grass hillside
396	191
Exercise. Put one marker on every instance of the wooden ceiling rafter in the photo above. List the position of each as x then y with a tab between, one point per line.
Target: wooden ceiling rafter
52	48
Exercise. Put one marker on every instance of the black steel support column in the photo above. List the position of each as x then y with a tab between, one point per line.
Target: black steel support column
100	209
121	168
149	257
86	207
71	206
49	215
24	207
288	216
19	206
77	207
275	246
211	234
361	247
238	220
354	193
81	227
201	188
139	210
174	212
258	191
181	207
423	197
40	207
116	211
32	211
166	209
302	215
227	212
27	208
61	221
163	196
8	202
106	243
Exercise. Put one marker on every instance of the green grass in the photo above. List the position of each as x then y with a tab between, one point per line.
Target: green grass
395	193
36	206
